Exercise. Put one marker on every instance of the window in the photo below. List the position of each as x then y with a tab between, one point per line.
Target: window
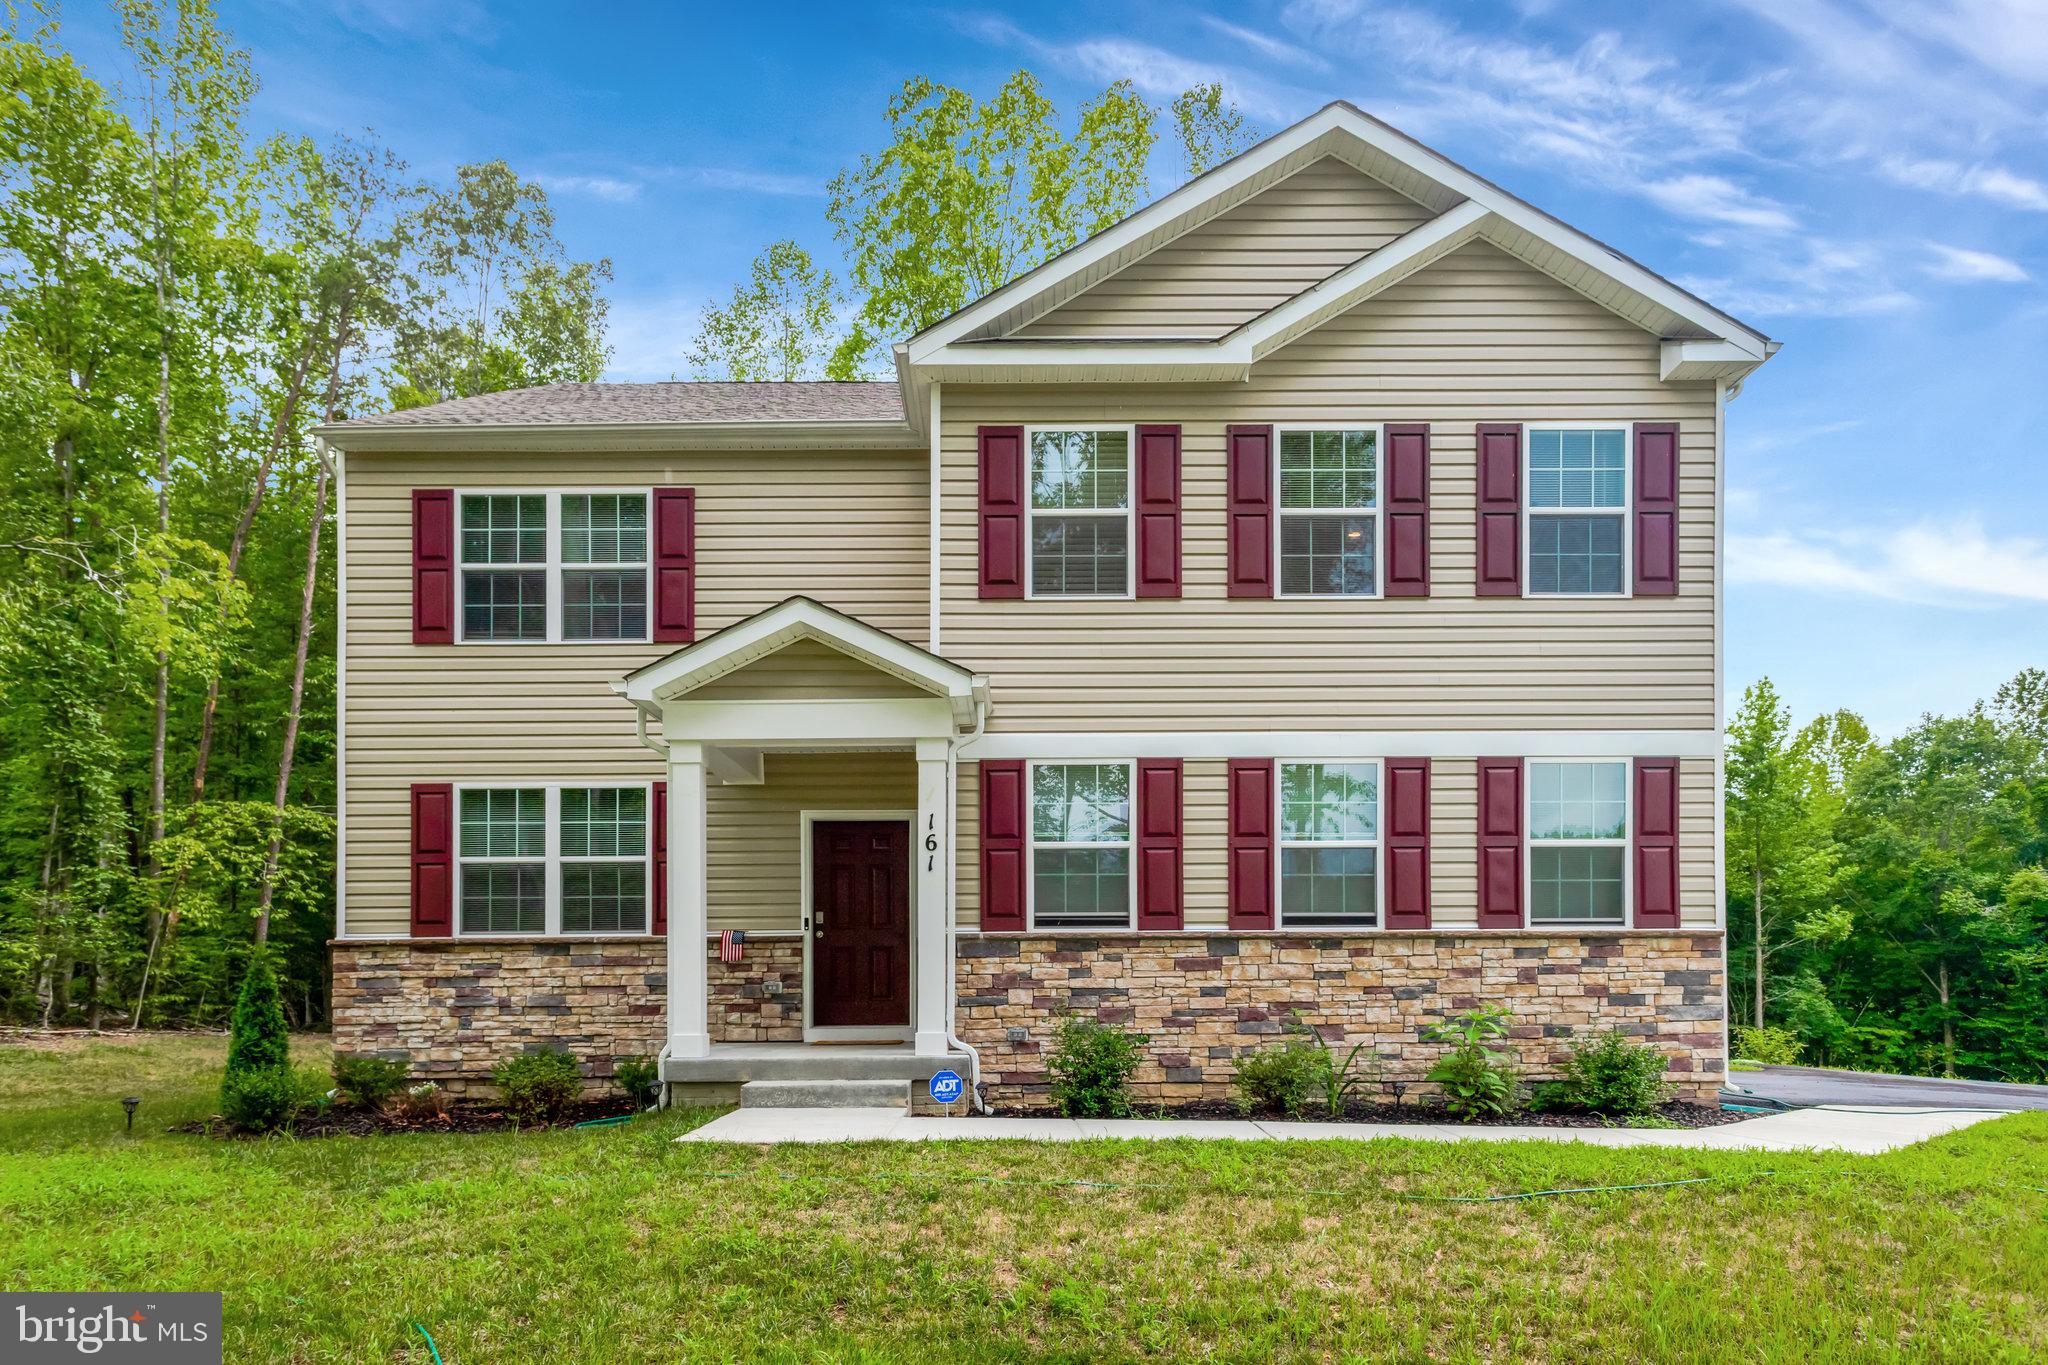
1578	842
1329	513
1081	846
543	567
1578	510
1329	845
1080	533
549	860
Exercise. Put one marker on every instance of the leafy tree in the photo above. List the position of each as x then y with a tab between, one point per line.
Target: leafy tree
1209	128
969	194
778	325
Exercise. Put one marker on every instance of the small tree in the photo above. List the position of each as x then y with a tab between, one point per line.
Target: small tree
258	1039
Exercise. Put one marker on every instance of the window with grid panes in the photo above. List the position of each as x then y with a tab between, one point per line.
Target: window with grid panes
1081	845
1080	537
1578	842
1329	513
1578	510
1329	845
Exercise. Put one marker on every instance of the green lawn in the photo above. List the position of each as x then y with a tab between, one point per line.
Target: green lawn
617	1245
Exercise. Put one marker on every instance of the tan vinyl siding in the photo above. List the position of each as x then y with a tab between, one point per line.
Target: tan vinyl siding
755	877
808	670
1243	262
1477	337
846	528
1454	844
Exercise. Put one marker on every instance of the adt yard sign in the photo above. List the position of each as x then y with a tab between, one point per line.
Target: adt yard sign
947	1087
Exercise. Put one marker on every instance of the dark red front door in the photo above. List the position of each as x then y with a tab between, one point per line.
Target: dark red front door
860	923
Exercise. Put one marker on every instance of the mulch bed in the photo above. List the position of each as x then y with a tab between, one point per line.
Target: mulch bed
1682	1114
339	1122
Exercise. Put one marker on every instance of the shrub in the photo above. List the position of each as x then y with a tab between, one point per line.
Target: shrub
1768	1046
1612	1075
538	1086
422	1101
267	1100
639	1077
1341	1076
367	1081
1091	1067
1283	1077
1479	1080
258	1039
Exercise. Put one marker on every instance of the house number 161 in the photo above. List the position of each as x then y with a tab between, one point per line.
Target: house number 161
931	842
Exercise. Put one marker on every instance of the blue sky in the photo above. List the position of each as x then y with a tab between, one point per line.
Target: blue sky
1867	180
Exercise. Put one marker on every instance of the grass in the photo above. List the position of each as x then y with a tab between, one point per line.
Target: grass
618	1245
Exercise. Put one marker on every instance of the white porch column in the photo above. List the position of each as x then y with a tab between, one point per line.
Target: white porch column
929	844
688	921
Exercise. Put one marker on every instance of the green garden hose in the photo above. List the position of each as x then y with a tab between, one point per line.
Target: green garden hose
432	1349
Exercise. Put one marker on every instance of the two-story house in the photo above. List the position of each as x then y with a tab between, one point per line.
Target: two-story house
1304	595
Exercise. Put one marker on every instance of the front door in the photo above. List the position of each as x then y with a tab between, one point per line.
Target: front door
860	923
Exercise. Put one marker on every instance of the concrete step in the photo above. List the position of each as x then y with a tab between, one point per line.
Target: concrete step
826	1094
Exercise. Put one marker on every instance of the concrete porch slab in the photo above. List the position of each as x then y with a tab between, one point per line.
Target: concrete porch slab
735	1062
1804	1130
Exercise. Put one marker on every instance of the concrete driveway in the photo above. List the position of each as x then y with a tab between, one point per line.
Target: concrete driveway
1813	1085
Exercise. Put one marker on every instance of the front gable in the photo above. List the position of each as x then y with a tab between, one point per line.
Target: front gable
1242	263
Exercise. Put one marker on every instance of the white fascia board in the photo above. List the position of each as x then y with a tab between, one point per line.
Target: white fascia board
1107	243
796	619
1698	360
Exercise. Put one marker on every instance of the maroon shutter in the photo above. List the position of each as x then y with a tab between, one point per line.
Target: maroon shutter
1407	841
1656	518
433	566
1500	509
675	564
1002	845
1001	462
658	813
433	853
1158	505
1250	459
1159	842
1656	843
1408	510
1251	843
1500	843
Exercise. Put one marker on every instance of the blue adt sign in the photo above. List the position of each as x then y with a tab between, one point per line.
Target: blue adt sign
947	1087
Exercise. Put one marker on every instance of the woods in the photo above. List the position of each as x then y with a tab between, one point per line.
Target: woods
1888	902
183	301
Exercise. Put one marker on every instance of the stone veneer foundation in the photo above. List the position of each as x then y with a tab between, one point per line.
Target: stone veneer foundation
453	1008
1203	999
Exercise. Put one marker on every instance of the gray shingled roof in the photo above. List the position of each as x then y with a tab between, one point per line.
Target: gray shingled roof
570	404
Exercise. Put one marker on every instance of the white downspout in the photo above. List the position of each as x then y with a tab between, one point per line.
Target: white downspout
660	747
953	913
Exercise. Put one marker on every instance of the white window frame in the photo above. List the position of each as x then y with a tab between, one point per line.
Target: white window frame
1377	511
1625	843
1281	843
1032	844
1129	514
552	859
1625	513
553	565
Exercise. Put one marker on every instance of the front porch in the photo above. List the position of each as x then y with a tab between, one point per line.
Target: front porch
874	912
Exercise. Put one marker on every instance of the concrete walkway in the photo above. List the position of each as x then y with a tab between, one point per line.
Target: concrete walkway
1816	1130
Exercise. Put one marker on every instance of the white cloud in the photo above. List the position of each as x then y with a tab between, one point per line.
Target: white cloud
1152	71
2008	36
1266	45
1995	183
595	186
1718	200
1947	564
1972	267
759	182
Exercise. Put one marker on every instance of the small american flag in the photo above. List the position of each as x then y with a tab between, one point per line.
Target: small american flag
732	945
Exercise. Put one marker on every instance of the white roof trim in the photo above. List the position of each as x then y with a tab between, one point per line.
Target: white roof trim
1347	122
726	651
869	434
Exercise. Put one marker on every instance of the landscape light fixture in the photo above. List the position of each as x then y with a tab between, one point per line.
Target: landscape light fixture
131	1103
